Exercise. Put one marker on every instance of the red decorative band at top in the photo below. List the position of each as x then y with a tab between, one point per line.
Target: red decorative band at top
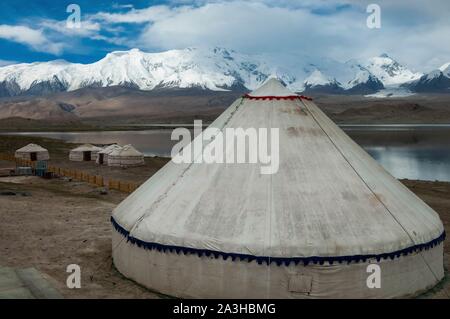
273	97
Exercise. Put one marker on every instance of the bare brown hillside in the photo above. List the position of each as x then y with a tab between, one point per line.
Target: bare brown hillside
116	103
103	108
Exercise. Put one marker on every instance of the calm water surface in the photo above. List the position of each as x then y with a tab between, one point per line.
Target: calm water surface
406	151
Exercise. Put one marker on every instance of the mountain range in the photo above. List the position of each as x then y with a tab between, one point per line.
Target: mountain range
435	81
217	69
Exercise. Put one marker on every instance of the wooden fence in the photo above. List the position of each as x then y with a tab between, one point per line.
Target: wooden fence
19	161
78	175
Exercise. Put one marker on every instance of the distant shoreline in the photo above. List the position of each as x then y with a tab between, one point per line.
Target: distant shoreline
170	126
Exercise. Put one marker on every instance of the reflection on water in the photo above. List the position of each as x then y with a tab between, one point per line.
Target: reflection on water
406	151
414	152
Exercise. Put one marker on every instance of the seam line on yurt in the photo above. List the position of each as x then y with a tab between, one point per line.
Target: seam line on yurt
139	220
269	259
356	172
384	205
232	113
271	212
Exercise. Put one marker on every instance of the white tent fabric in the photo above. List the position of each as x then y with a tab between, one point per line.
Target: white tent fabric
106	151
272	87
32	152
126	156
84	152
309	230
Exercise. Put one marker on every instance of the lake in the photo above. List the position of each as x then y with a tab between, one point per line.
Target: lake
406	151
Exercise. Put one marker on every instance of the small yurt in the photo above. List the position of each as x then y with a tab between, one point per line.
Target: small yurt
126	156
32	152
102	158
85	152
330	222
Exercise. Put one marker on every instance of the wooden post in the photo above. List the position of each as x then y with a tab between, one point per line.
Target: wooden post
99	180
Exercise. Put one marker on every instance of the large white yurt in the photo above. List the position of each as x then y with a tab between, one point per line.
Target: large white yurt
313	229
126	156
102	158
32	152
85	152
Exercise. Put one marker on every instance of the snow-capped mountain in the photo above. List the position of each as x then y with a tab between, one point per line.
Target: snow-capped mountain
389	71
365	83
318	82
435	81
212	69
445	69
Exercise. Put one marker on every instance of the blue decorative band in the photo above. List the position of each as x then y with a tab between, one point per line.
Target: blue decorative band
278	260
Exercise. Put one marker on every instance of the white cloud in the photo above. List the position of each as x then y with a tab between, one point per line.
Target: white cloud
87	28
122	6
411	31
253	27
150	14
35	39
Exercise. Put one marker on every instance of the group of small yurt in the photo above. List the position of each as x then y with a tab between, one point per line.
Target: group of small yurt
32	152
111	155
85	152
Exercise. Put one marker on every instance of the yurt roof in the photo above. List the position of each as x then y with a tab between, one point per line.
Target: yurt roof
329	198
110	148
272	87
126	151
32	148
86	148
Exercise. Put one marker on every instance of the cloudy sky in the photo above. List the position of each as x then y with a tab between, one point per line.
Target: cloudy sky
414	32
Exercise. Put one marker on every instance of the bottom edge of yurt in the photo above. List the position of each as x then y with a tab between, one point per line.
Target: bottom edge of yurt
125	164
192	276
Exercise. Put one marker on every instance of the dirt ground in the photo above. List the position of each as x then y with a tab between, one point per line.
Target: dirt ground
50	224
